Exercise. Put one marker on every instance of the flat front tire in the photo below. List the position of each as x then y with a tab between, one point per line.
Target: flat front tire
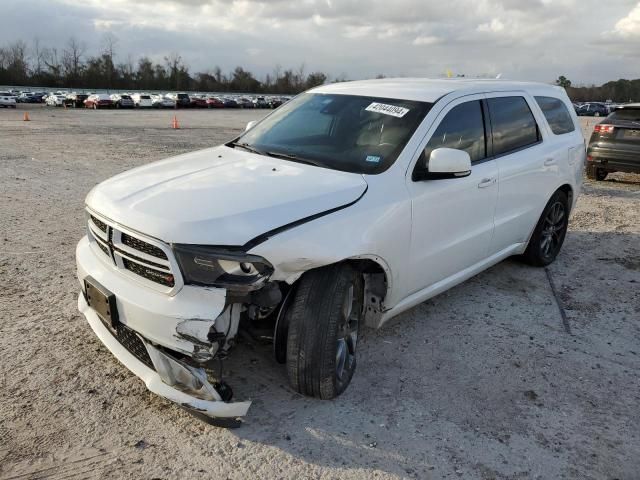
551	229
323	322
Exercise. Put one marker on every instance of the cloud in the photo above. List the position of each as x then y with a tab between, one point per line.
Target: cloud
629	26
426	40
524	39
496	26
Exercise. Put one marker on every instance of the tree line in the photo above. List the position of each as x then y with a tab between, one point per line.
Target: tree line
619	91
71	67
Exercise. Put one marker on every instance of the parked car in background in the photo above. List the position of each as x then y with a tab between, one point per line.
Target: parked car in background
314	232
56	99
28	97
614	145
161	101
274	102
229	102
7	100
215	102
244	102
181	100
593	109
75	99
142	100
260	102
121	100
98	100
198	102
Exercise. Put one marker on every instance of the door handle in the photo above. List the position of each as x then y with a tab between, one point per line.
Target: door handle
485	182
549	161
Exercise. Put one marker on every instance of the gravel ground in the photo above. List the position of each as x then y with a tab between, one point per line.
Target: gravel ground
482	382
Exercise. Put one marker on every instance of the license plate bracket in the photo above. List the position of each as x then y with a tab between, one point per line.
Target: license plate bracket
102	301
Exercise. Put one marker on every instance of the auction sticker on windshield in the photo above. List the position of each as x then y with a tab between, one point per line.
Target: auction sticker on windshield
392	110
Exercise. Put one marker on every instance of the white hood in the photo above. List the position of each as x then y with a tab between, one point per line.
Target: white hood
221	196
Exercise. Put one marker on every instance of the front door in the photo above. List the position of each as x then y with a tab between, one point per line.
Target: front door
453	217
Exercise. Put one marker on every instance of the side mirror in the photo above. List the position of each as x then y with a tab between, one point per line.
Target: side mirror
447	163
250	125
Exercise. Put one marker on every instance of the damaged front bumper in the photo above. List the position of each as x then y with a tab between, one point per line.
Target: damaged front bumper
171	377
179	333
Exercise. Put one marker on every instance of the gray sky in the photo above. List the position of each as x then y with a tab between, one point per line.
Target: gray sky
589	41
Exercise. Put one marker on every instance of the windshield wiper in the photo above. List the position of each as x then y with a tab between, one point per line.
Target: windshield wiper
247	147
294	158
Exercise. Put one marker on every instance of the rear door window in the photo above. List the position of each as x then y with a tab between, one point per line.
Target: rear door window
513	125
557	115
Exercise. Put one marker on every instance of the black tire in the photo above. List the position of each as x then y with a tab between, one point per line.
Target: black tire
550	232
323	330
595	173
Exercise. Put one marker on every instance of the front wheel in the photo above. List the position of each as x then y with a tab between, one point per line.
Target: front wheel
323	319
548	236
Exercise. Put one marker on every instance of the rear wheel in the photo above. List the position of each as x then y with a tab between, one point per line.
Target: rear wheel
548	236
323	322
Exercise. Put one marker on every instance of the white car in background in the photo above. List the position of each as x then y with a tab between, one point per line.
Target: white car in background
7	100
55	100
162	101
348	205
142	100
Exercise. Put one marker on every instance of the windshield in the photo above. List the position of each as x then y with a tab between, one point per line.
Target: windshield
342	132
628	114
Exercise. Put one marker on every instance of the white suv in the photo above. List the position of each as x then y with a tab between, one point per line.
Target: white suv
7	100
348	205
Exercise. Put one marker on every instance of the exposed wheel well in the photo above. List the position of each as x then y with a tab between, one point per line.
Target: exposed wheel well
376	285
566	188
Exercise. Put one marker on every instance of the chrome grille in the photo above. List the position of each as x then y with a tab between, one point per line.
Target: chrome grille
142	246
144	258
149	273
99	223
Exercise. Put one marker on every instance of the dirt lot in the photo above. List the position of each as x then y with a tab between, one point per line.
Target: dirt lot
482	382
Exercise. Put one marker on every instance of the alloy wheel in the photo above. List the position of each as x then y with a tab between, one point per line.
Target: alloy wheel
555	225
348	335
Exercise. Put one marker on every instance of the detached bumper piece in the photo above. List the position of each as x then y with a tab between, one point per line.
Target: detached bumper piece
167	376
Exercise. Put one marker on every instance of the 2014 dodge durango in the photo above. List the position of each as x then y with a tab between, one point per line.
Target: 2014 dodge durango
348	205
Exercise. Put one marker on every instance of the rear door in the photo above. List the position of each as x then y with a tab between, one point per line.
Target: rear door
528	166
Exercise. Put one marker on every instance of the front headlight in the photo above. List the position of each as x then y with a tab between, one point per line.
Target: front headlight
217	267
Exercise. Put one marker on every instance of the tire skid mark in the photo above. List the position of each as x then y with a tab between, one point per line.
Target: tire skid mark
71	468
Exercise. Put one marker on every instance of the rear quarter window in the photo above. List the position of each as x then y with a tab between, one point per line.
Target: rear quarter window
557	115
626	114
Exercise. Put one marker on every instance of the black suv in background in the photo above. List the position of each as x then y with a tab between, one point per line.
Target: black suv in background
593	110
615	143
75	100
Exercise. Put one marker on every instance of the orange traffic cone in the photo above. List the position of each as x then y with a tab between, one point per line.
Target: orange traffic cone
174	124
26	117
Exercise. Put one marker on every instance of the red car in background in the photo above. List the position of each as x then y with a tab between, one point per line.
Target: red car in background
100	100
198	102
214	102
